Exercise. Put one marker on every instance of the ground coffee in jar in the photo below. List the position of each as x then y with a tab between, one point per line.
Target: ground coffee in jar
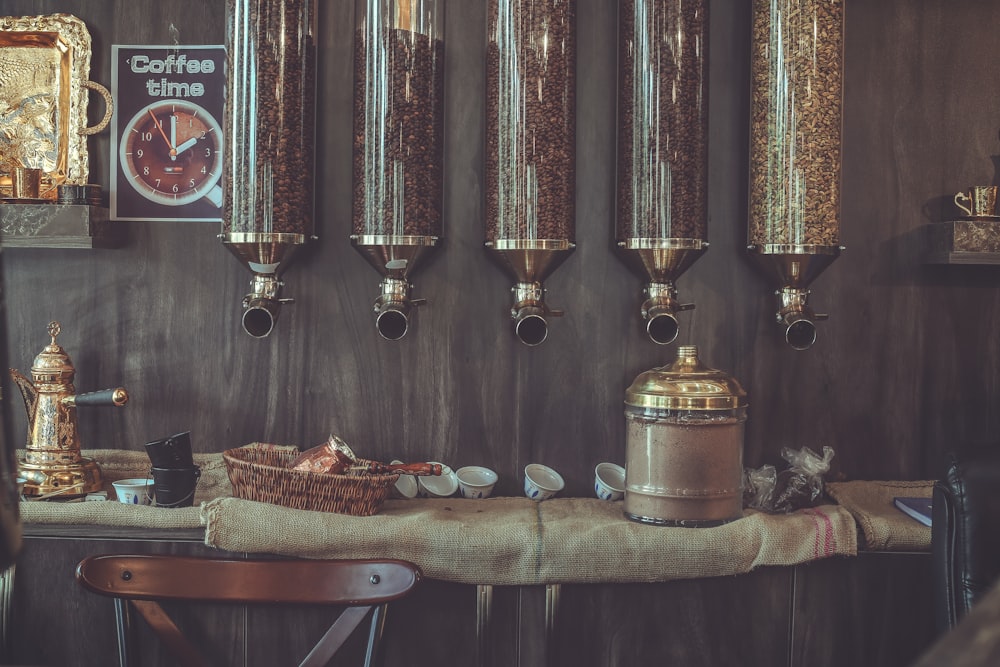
684	445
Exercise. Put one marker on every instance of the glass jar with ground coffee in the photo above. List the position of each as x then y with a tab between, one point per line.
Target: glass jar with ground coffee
684	444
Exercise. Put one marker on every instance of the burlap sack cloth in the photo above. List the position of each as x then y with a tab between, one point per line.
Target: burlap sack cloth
118	464
501	541
884	526
516	541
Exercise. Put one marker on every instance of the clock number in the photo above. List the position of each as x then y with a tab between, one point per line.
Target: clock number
138	153
208	152
175	188
204	169
191	182
157	183
147	136
145	171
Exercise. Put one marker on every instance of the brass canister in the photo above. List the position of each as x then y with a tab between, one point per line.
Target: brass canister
684	444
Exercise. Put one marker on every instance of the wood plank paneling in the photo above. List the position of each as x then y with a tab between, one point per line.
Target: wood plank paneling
905	368
905	365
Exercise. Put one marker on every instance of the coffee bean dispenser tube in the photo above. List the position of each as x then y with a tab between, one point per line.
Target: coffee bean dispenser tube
270	120
684	445
662	217
398	146
530	149
797	82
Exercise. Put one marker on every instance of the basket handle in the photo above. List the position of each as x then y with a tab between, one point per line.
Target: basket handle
422	469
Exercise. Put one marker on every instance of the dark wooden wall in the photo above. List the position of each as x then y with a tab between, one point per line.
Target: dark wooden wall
906	366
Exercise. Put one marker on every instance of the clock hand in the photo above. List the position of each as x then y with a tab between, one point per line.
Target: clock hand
186	145
173	135
162	133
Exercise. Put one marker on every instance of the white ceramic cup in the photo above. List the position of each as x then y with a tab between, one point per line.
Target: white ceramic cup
541	482
475	481
406	485
135	491
438	486
609	481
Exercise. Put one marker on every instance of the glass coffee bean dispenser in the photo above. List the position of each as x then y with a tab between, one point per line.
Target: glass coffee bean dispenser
684	445
530	177
795	151
662	213
398	168
270	118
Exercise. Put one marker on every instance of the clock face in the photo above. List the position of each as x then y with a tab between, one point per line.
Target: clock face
171	153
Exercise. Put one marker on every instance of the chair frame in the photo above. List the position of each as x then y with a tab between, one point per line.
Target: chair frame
138	582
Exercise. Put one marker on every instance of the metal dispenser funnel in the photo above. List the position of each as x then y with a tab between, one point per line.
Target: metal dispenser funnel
269	143
530	262
795	151
530	149
398	146
395	258
266	255
662	212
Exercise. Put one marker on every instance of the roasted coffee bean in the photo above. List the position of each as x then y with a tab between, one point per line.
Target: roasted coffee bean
797	79
270	117
398	133
662	119
531	120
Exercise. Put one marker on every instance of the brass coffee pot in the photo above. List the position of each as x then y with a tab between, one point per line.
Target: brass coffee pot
53	465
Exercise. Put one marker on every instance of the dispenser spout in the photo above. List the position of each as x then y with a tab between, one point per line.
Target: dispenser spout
797	318
262	305
392	308
530	313
659	311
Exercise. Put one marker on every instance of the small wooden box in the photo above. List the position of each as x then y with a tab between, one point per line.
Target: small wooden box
46	225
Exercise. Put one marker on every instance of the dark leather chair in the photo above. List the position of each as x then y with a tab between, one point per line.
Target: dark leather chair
965	534
139	581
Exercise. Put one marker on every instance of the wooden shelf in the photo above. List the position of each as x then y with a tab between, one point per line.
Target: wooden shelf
58	226
969	242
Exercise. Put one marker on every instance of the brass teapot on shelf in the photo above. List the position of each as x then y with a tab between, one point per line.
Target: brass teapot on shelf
53	465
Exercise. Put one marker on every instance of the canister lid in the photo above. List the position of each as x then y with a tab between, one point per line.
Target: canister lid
686	384
53	364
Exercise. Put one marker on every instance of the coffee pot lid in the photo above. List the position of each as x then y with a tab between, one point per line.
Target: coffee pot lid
52	363
686	384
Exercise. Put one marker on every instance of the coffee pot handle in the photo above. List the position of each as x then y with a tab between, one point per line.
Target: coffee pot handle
962	195
116	397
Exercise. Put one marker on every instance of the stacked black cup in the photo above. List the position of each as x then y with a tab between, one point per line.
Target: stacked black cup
175	476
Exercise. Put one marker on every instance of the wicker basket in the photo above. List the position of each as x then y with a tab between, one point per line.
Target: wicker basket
259	472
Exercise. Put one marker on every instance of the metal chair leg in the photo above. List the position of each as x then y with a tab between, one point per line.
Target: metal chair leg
484	611
375	633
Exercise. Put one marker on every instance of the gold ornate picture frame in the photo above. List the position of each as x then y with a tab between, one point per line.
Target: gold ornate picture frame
44	83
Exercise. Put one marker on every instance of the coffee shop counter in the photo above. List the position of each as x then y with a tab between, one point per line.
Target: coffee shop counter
502	540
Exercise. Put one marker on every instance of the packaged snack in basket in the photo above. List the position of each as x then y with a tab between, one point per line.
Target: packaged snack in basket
332	457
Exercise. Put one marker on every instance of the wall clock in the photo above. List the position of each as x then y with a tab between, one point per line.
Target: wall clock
171	153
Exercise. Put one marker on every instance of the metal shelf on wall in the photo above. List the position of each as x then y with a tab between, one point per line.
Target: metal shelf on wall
51	225
967	241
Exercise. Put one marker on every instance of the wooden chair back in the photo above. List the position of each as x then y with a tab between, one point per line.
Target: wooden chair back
139	582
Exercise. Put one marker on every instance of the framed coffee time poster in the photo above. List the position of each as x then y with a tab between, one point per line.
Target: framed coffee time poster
166	152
